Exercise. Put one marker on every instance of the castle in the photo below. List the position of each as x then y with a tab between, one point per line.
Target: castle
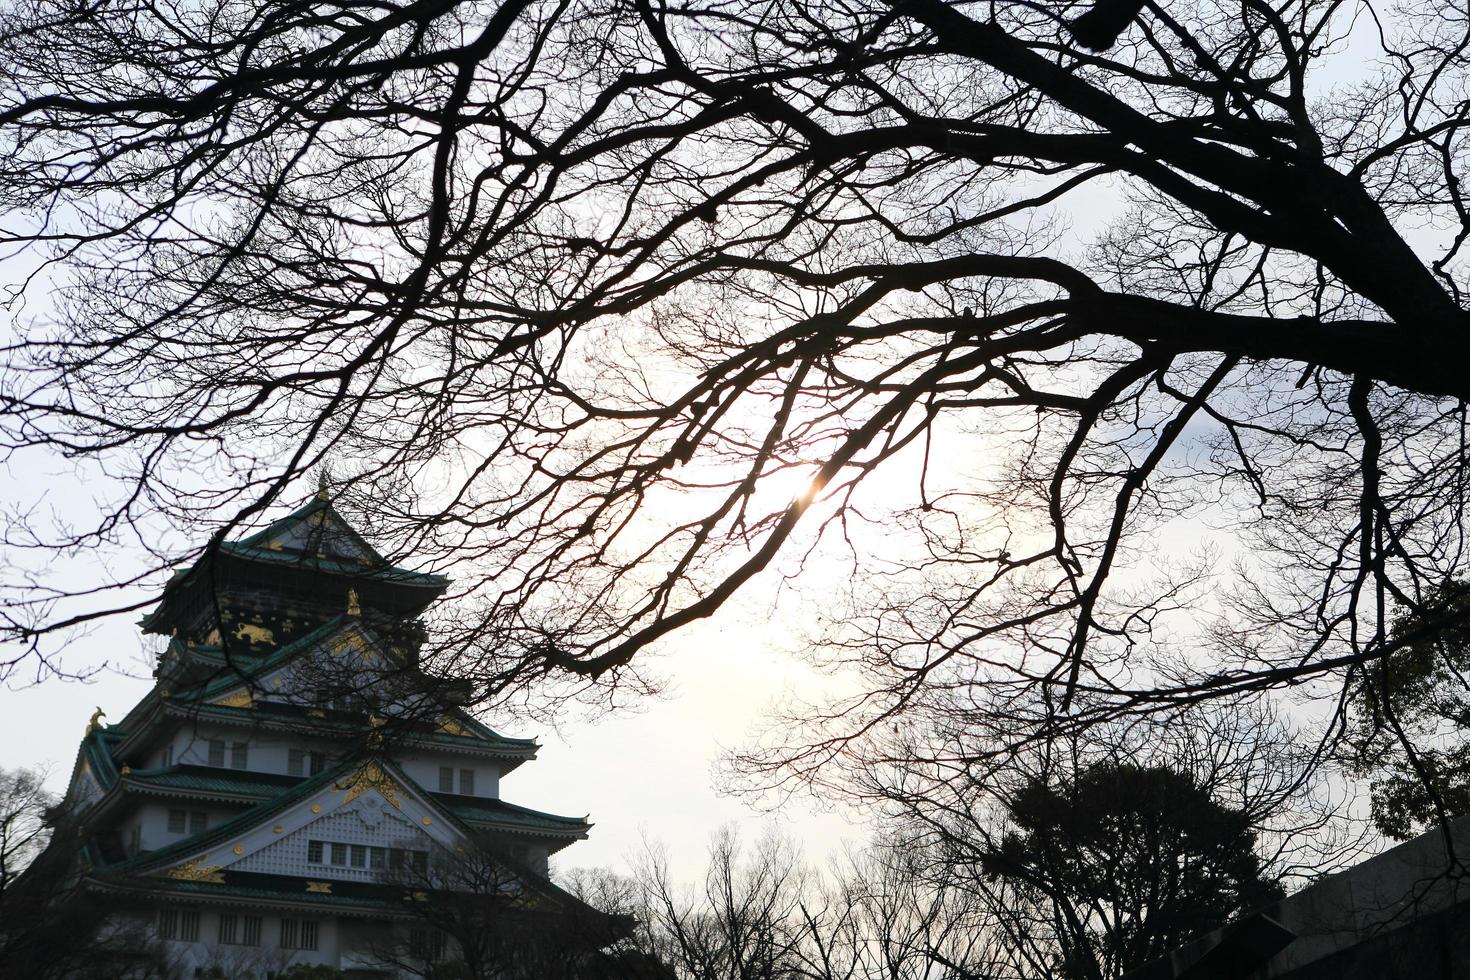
286	791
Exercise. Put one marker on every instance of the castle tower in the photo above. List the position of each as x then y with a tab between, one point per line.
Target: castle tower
292	766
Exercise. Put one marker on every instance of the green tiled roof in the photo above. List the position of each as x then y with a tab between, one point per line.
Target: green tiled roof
478	810
205	779
385	573
280	889
296	717
272	889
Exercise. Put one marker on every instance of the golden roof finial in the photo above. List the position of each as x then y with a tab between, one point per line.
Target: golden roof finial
95	722
354	608
322	479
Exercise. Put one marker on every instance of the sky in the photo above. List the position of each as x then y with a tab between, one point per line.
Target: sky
644	776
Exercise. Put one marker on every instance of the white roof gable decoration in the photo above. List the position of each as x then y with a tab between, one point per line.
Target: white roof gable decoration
367	806
321	532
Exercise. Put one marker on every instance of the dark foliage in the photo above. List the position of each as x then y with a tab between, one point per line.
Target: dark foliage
1409	725
1141	858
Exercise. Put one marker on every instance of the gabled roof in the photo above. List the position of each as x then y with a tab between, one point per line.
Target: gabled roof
312	539
248	675
352	777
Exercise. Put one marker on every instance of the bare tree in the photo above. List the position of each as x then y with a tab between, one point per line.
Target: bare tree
481	914
51	926
24	829
1094	855
761	913
620	306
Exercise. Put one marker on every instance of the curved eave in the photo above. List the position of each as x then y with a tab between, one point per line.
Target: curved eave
256	719
207	893
415	590
501	816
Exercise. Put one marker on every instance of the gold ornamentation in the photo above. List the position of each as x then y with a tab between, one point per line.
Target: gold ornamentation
449	726
319	887
213	639
239	848
428	820
125	771
197	870
315	713
96	720
254	634
354	608
277	829
371	776
240	699
316	808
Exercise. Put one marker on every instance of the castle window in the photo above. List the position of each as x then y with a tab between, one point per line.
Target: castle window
379	858
250	935
198	821
240	755
177	821
339	854
216	752
314	852
299	934
446	779
168	923
359	856
229	928
300	762
426	945
189	926
467	782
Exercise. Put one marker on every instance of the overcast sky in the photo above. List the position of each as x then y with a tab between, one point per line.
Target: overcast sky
644	774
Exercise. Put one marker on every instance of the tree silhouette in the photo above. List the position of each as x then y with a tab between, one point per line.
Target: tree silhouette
1133	861
626	308
1408	721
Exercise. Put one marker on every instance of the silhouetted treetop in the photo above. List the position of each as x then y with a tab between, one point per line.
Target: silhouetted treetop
1140	856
